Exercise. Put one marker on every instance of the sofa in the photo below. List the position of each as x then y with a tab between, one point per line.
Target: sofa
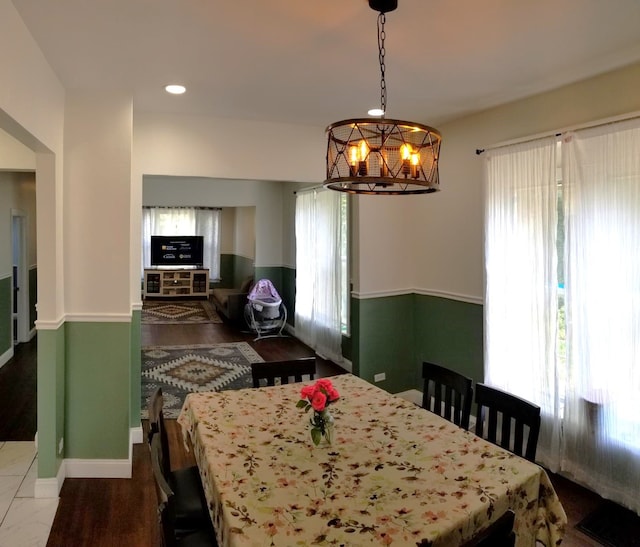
230	303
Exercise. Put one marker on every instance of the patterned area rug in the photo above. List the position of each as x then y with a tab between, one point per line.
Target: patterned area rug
178	311
180	370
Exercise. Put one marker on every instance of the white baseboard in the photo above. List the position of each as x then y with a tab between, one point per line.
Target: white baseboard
97	469
6	356
47	488
89	469
50	488
136	435
412	395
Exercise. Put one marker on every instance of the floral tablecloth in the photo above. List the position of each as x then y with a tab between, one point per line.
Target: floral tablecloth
395	474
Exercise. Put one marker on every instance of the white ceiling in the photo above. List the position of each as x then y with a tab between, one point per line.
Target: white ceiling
316	61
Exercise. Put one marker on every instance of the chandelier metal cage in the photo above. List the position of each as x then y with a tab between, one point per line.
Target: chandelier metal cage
382	156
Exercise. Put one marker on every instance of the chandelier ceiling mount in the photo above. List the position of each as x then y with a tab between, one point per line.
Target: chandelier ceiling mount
382	156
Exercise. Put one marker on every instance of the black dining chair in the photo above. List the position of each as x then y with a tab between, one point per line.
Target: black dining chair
189	506
171	533
498	534
266	373
447	393
498	411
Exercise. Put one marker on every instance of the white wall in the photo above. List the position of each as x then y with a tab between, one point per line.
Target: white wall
227	229
245	232
434	243
200	146
98	130
32	111
385	245
30	92
447	227
14	155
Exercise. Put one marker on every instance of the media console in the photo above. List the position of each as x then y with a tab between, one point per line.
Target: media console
173	283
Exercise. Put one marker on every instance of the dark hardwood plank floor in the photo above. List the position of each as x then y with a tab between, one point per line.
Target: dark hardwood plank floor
122	512
18	390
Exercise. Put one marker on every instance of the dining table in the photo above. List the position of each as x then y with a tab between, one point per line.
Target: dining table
394	473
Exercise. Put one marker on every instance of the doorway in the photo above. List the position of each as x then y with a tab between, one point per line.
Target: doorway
20	292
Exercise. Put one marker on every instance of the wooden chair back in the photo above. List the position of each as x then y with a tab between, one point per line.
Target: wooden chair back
498	534
447	393
498	411
164	494
157	427
154	409
269	371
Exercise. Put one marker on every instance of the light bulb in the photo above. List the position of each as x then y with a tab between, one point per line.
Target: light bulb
405	151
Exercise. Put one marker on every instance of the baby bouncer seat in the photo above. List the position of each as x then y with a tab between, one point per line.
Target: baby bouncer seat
264	311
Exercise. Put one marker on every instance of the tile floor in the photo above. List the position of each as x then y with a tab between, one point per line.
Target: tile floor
24	520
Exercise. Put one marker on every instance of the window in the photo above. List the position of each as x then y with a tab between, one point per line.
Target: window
173	221
344	264
562	305
322	286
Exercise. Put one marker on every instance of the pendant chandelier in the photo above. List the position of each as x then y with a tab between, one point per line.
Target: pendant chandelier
378	155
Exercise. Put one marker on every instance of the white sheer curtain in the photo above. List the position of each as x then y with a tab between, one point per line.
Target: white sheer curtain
521	279
319	272
588	392
170	221
602	199
207	223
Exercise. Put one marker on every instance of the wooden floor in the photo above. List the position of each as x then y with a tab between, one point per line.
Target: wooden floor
18	406
122	512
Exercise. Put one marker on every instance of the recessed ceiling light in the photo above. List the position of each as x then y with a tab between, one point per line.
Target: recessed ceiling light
175	89
376	112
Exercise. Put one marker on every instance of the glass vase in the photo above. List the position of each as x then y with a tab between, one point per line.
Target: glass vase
322	426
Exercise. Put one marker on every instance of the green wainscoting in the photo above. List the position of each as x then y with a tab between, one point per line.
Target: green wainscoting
5	314
226	272
98	390
234	269
243	267
382	331
450	333
136	368
396	334
273	274
51	372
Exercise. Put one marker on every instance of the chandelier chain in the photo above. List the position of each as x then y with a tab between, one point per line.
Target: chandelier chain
381	51
378	155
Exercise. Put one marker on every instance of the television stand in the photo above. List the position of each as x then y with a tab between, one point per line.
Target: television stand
183	282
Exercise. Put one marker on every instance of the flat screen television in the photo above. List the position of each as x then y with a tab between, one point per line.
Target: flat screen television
177	251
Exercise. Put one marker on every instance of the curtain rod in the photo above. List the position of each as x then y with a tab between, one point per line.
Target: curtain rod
181	207
309	189
559	132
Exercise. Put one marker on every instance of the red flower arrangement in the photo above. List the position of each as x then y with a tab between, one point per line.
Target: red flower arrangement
318	396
